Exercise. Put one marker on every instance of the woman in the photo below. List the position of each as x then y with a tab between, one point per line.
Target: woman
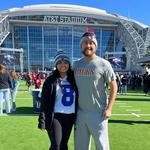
5	85
59	103
15	85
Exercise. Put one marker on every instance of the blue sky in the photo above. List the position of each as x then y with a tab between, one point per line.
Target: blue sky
138	10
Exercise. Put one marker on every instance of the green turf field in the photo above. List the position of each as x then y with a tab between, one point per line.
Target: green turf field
129	126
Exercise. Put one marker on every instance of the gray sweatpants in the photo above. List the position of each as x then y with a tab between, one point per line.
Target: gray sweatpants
91	124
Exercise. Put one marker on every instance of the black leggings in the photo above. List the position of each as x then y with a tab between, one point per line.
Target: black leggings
60	131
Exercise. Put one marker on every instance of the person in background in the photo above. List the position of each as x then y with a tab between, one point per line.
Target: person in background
59	103
94	107
34	77
28	80
5	85
124	82
145	83
43	76
118	81
38	82
15	84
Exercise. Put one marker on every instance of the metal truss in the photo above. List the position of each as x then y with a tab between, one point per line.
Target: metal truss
134	38
147	41
4	28
133	42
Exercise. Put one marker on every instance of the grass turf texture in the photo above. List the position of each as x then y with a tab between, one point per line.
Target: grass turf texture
128	129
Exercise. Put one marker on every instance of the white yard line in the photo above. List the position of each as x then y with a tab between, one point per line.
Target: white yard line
144	114
22	98
125	106
19	114
120	102
122	115
132	114
133	110
36	114
137	115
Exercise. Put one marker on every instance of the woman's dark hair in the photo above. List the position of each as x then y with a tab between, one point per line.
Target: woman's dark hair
70	76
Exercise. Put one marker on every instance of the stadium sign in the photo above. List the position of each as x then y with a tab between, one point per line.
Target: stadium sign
65	19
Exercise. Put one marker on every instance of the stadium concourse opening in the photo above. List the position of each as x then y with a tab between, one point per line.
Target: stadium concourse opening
145	63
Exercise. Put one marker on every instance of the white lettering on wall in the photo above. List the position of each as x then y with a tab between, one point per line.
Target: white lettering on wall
65	19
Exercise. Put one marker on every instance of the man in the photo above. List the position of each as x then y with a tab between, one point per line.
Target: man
92	73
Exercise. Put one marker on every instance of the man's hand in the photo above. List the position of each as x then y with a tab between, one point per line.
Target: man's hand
107	113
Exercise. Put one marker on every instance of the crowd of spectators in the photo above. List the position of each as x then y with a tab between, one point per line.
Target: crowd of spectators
9	87
9	83
133	81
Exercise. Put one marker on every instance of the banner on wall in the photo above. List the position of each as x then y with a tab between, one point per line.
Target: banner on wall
117	63
10	59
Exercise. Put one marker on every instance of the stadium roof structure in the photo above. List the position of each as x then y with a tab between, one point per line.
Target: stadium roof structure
134	35
65	9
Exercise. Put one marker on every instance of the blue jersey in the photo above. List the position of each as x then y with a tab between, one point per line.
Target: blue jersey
65	97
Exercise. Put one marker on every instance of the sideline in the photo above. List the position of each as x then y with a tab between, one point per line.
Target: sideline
4	114
132	114
36	114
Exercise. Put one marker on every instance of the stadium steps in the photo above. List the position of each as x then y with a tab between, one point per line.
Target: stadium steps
4	28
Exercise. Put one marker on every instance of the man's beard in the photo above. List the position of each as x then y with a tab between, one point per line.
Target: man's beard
84	53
